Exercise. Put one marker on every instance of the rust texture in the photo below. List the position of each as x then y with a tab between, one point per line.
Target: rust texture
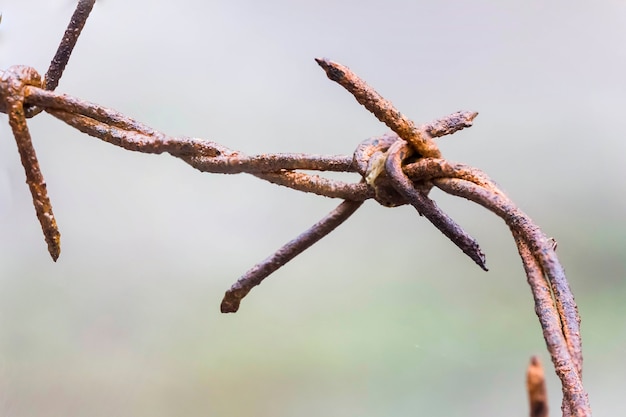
536	387
400	151
541	268
64	51
394	169
260	271
62	56
12	85
383	109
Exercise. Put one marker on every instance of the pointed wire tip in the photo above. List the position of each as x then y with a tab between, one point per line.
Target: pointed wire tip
229	305
54	247
483	266
477	255
333	71
471	115
466	118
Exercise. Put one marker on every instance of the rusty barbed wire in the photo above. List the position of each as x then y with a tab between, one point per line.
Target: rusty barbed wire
395	169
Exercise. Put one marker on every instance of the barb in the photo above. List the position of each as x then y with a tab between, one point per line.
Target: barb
398	152
536	387
12	85
64	51
62	56
394	169
252	278
450	124
381	108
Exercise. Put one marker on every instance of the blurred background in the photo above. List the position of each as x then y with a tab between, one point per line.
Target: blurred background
384	317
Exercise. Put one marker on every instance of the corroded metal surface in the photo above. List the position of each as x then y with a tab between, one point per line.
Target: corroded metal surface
395	169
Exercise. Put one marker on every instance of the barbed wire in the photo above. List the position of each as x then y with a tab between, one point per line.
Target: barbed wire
396	169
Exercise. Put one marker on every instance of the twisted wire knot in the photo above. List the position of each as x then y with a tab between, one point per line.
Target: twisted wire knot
13	82
17	77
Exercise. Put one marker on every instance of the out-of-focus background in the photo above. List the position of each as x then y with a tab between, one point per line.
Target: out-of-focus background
384	317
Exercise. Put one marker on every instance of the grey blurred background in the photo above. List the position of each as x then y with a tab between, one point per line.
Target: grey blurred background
384	317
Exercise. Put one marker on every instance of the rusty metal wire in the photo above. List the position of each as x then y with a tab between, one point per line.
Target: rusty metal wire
536	387
395	169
